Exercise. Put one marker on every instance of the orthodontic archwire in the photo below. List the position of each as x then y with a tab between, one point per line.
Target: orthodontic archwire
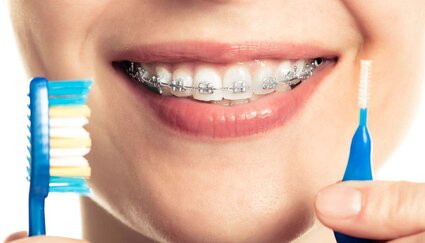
292	78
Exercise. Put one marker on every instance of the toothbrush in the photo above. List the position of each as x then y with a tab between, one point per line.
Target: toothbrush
359	162
58	142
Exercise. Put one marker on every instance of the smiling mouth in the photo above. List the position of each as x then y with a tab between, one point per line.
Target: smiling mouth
231	84
217	90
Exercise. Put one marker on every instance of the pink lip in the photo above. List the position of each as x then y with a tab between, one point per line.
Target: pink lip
215	121
212	52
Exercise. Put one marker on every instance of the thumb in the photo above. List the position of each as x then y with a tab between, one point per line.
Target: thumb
373	209
16	236
22	237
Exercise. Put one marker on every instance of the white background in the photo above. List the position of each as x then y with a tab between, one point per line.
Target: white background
63	210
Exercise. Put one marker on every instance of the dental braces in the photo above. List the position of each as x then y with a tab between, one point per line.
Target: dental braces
292	78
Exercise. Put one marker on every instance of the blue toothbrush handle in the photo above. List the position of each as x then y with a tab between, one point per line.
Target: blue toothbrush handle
341	238
37	224
40	155
359	167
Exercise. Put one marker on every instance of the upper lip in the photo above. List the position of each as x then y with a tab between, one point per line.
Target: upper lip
215	52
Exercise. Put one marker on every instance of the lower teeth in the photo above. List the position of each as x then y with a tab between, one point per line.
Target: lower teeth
225	102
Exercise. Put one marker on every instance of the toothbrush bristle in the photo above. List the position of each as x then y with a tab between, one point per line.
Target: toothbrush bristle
365	74
68	114
69	142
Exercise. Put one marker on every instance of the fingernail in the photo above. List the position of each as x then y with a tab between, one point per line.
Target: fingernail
339	201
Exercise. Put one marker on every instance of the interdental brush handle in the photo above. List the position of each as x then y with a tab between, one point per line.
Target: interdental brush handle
359	166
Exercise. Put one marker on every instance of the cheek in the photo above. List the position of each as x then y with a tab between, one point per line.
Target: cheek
380	21
117	179
394	41
55	36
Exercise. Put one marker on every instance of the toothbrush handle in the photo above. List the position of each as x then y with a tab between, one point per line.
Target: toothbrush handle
37	225
40	155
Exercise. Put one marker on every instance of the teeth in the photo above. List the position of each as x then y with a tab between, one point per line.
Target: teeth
264	81
299	66
283	70
238	86
222	102
207	83
282	87
238	80
182	77
164	76
147	74
225	102
240	102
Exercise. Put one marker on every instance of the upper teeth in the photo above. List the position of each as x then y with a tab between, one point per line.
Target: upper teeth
206	84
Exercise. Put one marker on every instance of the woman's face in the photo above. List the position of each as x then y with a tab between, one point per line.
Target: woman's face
193	171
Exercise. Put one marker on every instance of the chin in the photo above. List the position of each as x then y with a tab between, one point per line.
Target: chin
210	216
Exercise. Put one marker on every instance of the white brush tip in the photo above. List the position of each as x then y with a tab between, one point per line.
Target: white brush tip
365	73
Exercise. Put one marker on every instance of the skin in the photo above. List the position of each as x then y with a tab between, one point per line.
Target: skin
200	190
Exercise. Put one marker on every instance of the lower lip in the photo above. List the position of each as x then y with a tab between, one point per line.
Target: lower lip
199	119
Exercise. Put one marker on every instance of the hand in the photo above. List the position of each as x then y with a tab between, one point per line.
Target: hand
389	211
21	237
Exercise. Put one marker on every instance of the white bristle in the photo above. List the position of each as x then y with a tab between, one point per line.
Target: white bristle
68	122
68	161
70	132
365	73
68	152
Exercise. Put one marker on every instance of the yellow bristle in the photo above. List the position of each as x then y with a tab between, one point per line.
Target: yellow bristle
71	111
70	142
70	171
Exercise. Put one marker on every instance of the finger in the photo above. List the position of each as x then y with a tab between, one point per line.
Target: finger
374	210
419	238
47	239
16	236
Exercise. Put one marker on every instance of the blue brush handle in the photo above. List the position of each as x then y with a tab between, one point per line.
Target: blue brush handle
36	216
40	163
359	166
